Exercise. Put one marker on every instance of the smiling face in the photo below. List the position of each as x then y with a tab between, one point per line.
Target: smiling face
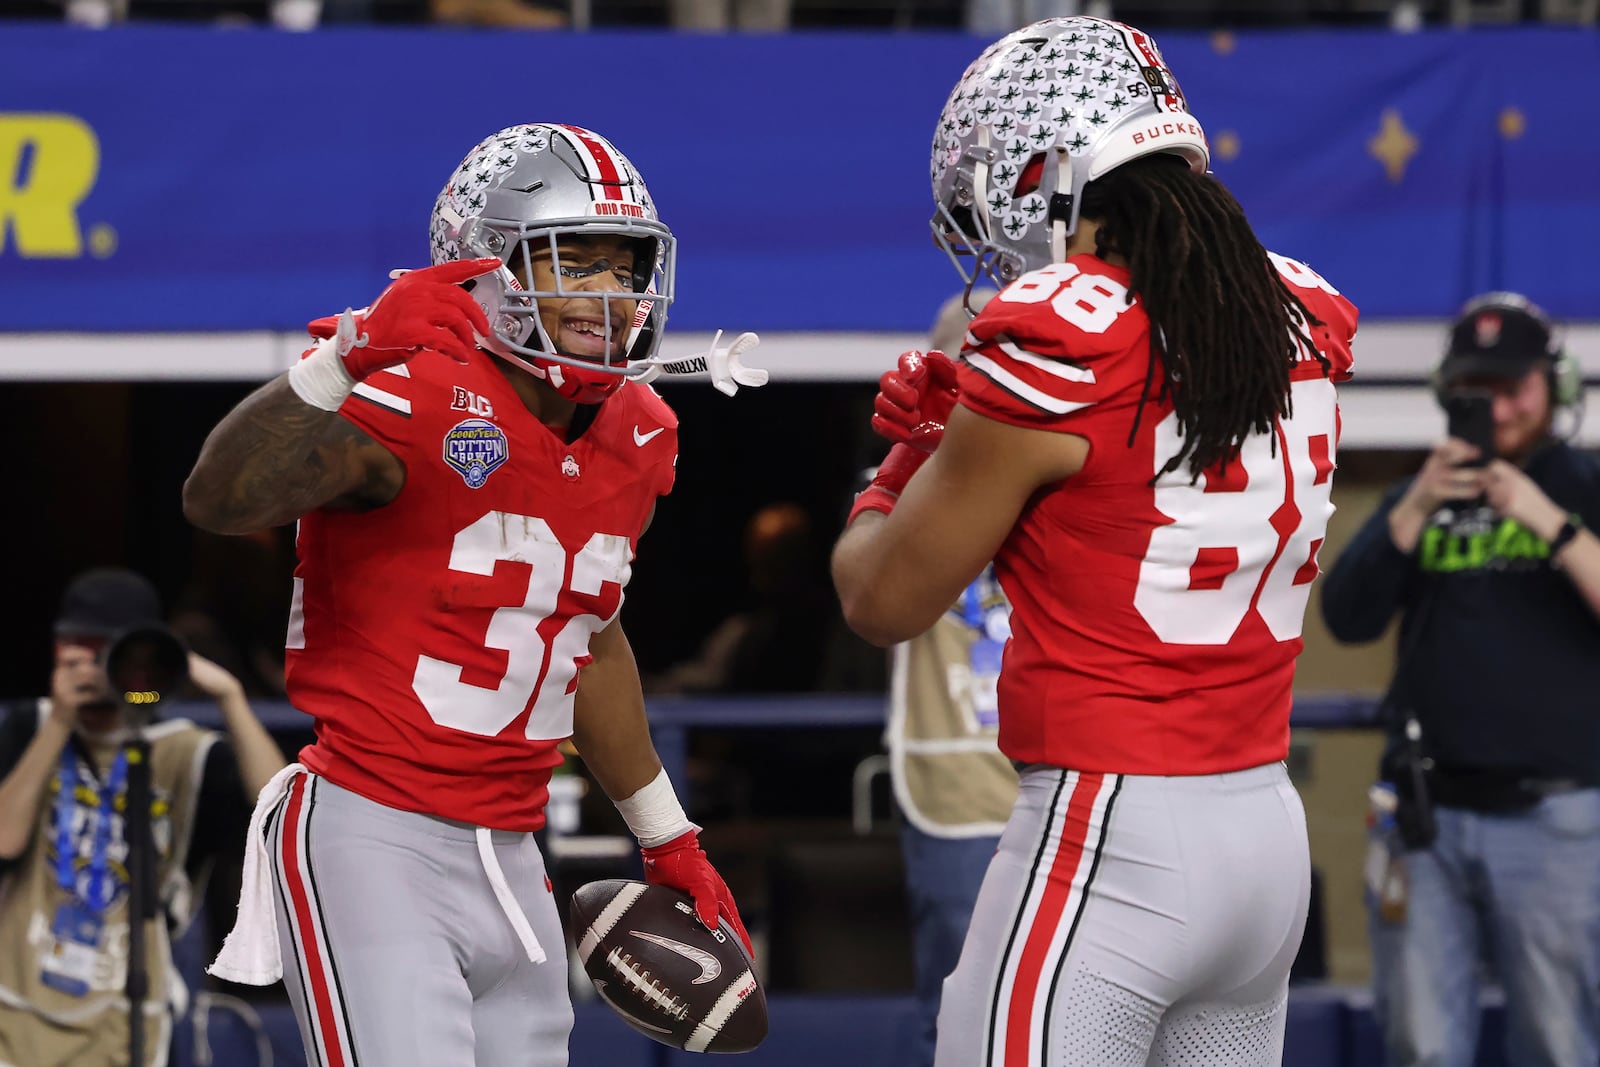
587	266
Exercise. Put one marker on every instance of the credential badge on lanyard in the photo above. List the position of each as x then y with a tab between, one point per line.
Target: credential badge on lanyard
985	611
76	929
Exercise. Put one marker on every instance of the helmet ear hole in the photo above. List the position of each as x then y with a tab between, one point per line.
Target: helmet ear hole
1032	174
961	225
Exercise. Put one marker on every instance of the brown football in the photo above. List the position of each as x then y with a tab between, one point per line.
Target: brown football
668	976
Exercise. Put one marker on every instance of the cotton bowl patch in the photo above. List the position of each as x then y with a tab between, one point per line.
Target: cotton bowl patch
475	448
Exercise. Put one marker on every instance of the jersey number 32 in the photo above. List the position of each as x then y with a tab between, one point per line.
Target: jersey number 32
538	670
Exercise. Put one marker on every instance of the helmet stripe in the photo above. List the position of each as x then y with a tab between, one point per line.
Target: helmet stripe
605	162
1142	42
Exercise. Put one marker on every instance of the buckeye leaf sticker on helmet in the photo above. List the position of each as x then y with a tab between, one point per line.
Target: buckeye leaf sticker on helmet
1037	116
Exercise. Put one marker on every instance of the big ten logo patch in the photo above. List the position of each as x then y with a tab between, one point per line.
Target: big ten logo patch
470	402
48	165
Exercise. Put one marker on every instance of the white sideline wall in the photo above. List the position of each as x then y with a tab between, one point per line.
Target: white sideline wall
1390	407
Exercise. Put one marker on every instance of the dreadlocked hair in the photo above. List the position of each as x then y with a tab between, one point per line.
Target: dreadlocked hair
1224	328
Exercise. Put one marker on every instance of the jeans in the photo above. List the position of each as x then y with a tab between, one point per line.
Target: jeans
1520	892
942	879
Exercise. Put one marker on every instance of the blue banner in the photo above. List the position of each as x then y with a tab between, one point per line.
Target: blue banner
171	178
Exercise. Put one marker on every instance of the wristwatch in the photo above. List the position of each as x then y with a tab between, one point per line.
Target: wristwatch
1565	534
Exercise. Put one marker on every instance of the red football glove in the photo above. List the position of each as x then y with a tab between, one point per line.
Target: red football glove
420	309
890	481
682	864
914	400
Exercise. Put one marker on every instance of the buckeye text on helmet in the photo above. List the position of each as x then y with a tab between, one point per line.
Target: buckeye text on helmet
1041	113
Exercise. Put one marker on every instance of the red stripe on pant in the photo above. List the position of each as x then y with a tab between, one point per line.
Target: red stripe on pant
1047	919
326	1020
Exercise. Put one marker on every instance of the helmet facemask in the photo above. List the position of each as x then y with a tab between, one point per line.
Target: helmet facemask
631	318
981	241
524	195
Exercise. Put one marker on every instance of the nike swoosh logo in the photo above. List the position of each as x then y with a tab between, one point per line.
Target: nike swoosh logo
642	439
708	964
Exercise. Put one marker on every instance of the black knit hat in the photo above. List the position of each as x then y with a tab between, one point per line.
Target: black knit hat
105	601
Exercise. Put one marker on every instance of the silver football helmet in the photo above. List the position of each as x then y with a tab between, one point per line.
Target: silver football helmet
1040	114
519	192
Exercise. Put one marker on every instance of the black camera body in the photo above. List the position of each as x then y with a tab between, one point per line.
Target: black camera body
1470	418
146	665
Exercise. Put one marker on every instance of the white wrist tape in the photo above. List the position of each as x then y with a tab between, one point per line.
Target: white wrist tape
654	814
320	379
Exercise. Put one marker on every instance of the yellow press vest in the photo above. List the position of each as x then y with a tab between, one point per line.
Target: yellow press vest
41	1026
948	774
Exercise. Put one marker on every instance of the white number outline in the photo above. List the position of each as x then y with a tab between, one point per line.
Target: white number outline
537	671
1090	302
1263	579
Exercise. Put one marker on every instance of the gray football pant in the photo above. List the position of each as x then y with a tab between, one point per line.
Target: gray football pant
1134	921
396	952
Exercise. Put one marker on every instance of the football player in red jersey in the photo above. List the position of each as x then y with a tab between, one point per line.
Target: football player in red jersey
1141	435
467	523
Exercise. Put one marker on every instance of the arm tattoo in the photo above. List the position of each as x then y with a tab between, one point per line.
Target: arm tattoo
274	458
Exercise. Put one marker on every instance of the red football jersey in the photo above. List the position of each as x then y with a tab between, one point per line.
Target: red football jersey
437	639
1154	628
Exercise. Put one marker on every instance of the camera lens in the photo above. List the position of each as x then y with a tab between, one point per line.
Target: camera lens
147	664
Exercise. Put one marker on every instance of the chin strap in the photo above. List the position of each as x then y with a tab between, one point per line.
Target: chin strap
724	364
1061	201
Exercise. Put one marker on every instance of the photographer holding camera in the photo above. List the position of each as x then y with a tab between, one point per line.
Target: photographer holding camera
64	855
1494	761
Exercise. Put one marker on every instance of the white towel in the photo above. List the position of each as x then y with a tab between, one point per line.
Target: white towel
250	953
